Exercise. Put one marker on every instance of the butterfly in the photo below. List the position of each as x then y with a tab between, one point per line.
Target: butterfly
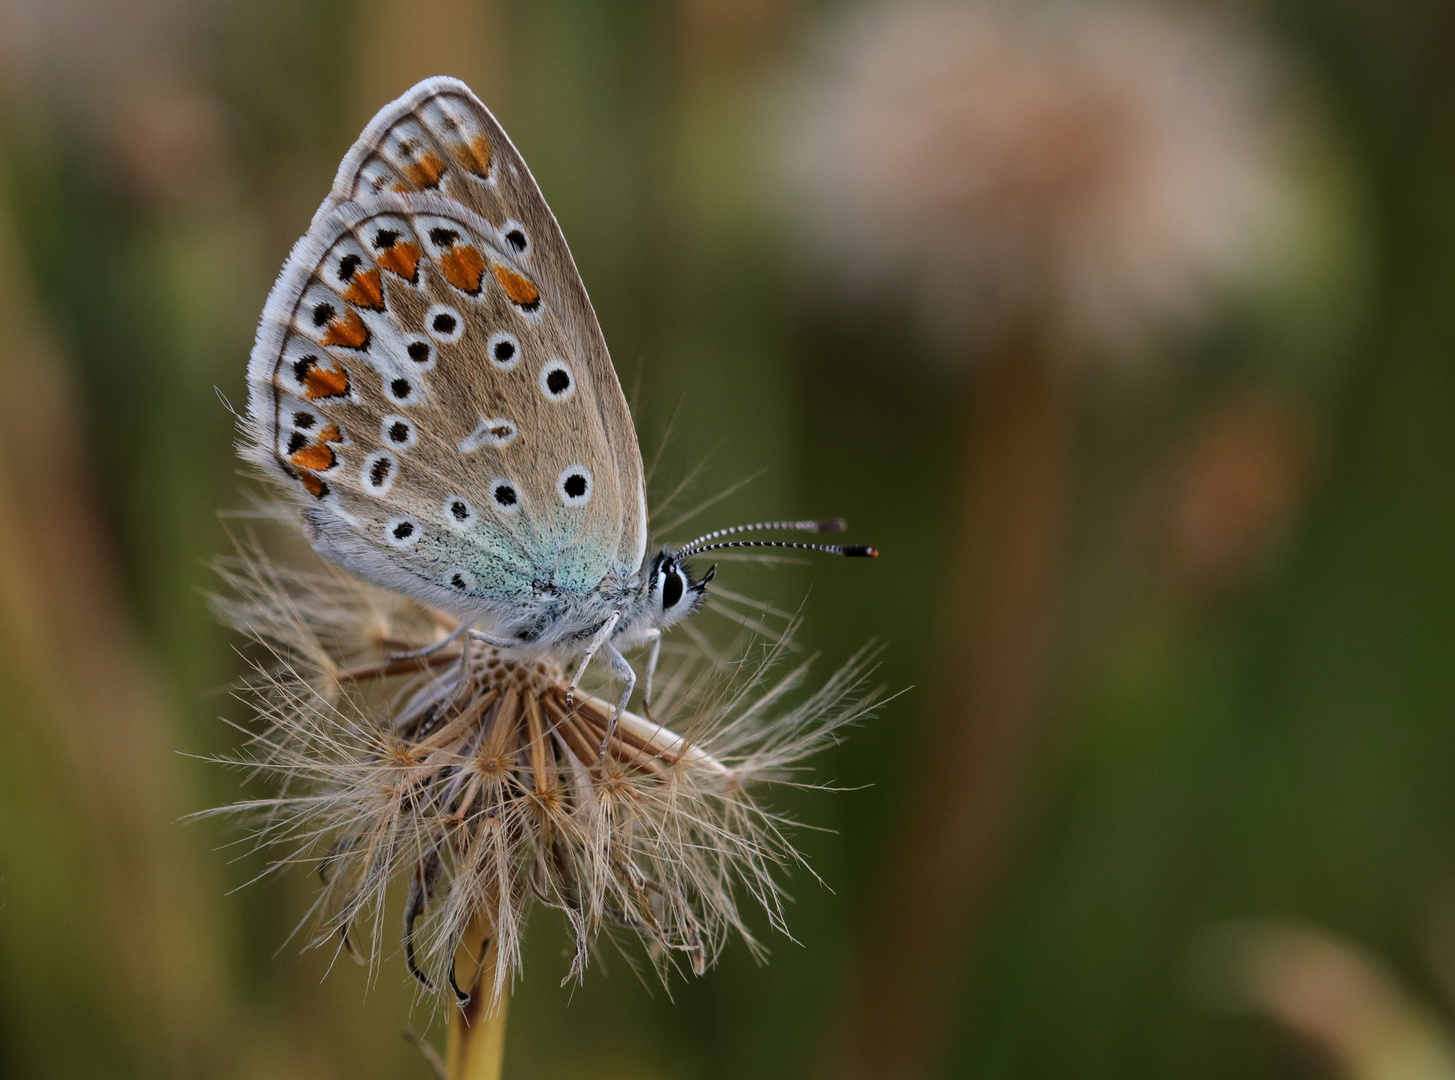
430	382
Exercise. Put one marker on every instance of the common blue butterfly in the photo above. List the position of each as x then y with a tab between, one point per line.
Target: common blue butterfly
430	379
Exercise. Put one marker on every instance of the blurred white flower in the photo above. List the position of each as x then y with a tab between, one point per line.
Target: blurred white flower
1102	171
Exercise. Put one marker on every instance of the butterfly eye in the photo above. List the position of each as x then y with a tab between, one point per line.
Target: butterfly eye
505	496
574	485
398	432
504	350
673	586
378	472
557	382
401	532
459	514
444	324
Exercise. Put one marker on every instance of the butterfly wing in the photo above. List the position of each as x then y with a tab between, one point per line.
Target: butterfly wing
430	376
440	138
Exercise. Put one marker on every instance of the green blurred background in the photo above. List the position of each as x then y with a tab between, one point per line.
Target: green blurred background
1172	792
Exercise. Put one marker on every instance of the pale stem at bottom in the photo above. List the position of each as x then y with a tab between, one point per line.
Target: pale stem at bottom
476	1042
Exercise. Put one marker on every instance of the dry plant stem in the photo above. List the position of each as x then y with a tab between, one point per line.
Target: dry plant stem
983	719
476	1043
399	665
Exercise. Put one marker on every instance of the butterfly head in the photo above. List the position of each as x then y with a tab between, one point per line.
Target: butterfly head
672	595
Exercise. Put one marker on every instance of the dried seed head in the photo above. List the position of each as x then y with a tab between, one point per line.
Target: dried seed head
467	779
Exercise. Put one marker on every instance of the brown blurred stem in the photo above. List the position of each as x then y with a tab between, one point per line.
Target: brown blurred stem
941	872
476	1043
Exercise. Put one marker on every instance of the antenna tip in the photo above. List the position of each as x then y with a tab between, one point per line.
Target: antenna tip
861	551
829	525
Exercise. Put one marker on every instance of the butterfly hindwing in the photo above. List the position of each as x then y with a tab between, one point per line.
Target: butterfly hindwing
438	393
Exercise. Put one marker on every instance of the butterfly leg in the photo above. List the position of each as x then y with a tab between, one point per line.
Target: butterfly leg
597	641
655	637
627	674
494	640
430	650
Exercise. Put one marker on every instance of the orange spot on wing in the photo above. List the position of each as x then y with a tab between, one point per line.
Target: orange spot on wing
366	290
474	155
322	382
315	456
463	267
425	171
347	329
313	485
401	259
520	289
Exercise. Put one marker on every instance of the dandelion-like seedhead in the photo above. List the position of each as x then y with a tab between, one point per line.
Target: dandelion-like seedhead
469	785
1102	169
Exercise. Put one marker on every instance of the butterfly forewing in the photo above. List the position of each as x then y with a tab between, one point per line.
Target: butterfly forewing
439	139
431	379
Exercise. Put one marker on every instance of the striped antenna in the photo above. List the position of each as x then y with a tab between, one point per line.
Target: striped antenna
829	525
862	551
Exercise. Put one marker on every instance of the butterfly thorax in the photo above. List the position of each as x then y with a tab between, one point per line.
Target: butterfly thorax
561	623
